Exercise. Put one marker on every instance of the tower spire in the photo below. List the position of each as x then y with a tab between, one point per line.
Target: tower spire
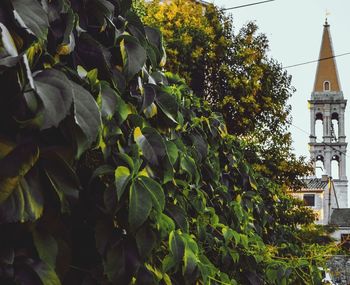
327	74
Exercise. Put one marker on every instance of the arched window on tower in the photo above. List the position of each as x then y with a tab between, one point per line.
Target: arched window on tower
326	86
319	166
319	127
335	167
335	127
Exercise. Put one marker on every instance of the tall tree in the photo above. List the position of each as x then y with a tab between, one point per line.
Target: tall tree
234	73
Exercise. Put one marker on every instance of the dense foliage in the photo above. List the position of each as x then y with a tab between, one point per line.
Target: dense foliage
235	74
112	172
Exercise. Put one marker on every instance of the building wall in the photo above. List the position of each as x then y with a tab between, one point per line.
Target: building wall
319	205
337	234
341	189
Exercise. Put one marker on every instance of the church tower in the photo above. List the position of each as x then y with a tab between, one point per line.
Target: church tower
327	108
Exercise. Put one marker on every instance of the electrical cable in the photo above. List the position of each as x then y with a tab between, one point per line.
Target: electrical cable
312	61
246	5
327	144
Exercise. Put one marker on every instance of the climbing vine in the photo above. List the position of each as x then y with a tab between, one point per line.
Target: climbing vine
112	172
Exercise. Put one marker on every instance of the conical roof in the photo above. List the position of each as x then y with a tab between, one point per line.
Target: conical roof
327	67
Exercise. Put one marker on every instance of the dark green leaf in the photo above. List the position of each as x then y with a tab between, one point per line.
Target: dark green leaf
133	54
151	144
176	246
190	261
145	240
86	112
45	272
14	166
46	247
109	100
56	94
31	16
179	215
156	192
155	38
140	204
26	202
168	105
62	178
114	266
8	51
102	170
189	165
148	96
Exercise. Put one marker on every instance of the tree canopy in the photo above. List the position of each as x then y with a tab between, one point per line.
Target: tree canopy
234	73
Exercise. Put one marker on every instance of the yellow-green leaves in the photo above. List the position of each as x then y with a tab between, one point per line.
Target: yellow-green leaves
122	177
14	166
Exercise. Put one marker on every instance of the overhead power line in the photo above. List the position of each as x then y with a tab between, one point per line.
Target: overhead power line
317	60
327	144
247	5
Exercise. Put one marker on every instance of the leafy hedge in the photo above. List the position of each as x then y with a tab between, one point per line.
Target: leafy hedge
112	172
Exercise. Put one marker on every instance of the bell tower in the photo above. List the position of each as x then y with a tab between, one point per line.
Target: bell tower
327	108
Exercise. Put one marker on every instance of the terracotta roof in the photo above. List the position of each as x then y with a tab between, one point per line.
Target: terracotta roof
341	217
327	67
315	183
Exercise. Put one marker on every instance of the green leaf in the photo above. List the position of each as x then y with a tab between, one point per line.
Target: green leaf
156	192
165	225
151	144
62	177
86	112
45	272
31	16
145	240
244	240
109	100
101	170
155	38
189	165
168	105
190	261
101	10
124	6
133	55
148	96
129	161
26	202
172	151
179	215
122	178
140	204
113	104
56	94
229	234
14	166
114	265
176	246
8	48
46	247
271	274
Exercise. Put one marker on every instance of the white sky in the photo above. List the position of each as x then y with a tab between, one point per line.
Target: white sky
294	29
